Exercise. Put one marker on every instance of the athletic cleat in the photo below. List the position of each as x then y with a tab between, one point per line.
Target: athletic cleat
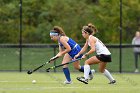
91	75
112	82
79	78
67	82
82	79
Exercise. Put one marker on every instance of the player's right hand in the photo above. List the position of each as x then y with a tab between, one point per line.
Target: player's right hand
84	56
75	57
53	58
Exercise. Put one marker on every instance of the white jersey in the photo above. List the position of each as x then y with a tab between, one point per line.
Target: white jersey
136	41
100	48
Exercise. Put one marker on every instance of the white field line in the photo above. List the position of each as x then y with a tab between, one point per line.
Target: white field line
5	81
44	88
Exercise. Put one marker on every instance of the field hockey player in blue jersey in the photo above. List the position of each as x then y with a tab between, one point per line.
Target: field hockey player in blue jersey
68	48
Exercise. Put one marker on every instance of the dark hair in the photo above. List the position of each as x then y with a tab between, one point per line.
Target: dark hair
88	29
59	30
90	25
91	29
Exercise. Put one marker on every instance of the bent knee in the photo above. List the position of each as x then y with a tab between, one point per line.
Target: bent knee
101	70
77	68
86	62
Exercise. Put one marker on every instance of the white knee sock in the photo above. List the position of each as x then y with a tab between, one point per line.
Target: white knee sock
108	75
86	71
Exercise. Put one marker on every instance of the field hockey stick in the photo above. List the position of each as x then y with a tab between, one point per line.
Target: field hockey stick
53	67
31	71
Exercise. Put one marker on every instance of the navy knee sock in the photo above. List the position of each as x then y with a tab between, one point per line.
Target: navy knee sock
67	74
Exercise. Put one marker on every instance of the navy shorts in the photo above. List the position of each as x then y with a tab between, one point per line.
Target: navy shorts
104	58
75	51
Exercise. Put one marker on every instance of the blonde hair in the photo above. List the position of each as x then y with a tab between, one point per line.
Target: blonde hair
59	30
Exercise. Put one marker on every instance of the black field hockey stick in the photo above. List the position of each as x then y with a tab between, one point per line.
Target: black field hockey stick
53	67
31	71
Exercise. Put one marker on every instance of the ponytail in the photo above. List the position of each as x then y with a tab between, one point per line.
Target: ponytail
59	30
90	25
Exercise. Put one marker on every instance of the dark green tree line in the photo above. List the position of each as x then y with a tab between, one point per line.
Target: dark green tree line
39	16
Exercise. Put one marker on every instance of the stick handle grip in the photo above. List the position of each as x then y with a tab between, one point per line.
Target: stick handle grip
53	58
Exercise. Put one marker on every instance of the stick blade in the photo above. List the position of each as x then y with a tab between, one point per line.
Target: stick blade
29	72
48	70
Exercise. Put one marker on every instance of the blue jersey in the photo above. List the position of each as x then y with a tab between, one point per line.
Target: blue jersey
75	48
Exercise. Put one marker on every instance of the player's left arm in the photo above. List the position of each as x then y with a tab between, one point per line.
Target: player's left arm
64	40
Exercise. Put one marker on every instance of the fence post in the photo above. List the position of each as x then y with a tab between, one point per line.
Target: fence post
20	38
120	36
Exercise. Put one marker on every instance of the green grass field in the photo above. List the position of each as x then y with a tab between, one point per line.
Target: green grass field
15	82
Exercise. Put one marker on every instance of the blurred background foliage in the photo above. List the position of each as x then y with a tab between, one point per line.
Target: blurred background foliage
39	17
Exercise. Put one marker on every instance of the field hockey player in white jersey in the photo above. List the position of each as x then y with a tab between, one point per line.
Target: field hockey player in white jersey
102	58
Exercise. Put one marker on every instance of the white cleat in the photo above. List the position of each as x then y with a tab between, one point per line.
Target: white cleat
91	75
82	79
67	82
